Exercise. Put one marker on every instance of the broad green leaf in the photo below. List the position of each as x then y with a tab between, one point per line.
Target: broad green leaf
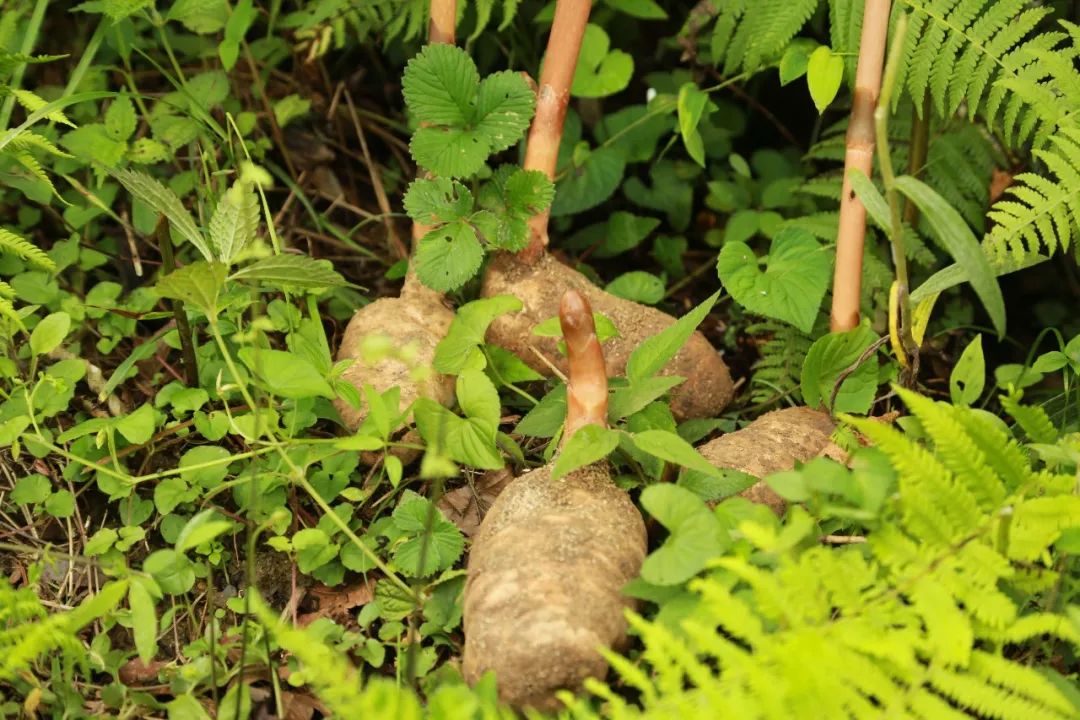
313	549
61	504
956	237
120	119
285	374
794	281
169	493
635	395
831	355
290	108
589	444
588	183
165	201
137	427
31	489
197	284
469	441
641	9
600	71
638	286
143	619
235	222
621	232
671	448
199	16
447	257
240	19
652	355
172	570
546	417
478	398
467	331
874	202
691	108
794	60
695	535
48	109
205	465
824	73
49	333
100	542
968	377
202	528
290	269
956	274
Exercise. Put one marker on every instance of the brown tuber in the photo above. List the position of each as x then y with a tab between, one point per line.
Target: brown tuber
539	280
418	317
551	556
772	443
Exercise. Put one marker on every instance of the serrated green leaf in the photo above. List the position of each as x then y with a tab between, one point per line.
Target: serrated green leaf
432	542
433	201
290	269
546	417
200	16
235	222
448	257
35	104
120	119
146	151
504	107
197	284
165	201
440	84
793	284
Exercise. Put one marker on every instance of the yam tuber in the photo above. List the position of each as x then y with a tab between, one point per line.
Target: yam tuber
551	556
773	442
418	317
539	280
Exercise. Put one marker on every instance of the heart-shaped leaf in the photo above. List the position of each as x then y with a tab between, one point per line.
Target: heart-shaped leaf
793	283
599	72
695	535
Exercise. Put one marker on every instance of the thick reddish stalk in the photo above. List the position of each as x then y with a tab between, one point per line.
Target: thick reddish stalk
586	393
553	96
847	279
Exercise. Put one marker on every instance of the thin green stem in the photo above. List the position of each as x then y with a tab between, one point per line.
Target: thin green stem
33	27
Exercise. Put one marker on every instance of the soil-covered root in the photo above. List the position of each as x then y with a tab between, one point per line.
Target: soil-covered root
708	387
772	443
545	574
417	318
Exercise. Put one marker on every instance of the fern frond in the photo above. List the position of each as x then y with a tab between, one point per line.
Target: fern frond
956	49
777	371
29	162
748	35
33	103
30	140
1032	419
15	244
1041	211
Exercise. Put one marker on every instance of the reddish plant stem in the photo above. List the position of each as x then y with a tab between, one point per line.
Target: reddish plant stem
586	393
552	98
847	280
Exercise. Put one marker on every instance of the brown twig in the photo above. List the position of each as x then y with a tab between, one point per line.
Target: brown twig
847	279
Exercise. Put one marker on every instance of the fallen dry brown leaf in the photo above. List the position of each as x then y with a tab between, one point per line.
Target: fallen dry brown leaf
466	505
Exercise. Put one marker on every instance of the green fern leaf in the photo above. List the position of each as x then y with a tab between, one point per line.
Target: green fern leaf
16	245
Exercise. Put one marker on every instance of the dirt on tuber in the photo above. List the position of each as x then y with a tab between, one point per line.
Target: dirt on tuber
772	443
547	566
